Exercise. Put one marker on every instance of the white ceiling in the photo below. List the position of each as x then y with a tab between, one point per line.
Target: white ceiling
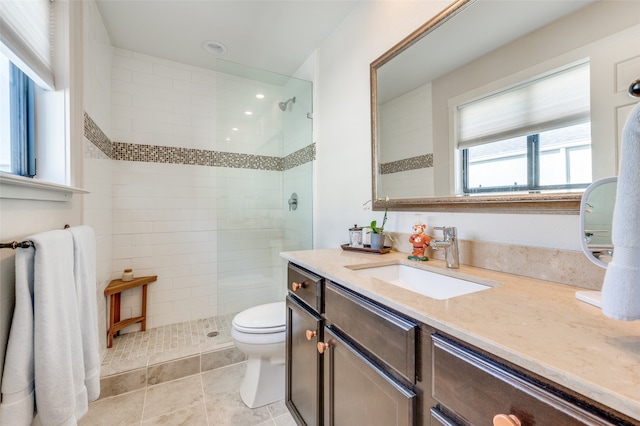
272	35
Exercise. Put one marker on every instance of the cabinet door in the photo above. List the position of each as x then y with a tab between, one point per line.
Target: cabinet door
303	364
357	392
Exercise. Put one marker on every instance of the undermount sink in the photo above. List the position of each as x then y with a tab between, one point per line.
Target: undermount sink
428	283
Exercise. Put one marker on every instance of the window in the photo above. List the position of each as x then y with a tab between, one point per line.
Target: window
17	141
531	137
25	66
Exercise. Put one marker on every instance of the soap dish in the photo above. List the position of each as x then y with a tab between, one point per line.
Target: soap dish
366	249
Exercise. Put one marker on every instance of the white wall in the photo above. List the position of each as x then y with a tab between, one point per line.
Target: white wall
22	218
343	170
97	165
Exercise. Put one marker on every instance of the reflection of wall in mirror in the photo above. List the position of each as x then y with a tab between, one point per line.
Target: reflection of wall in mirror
567	41
599	215
406	157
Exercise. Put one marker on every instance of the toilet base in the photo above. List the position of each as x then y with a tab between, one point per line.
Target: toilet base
263	381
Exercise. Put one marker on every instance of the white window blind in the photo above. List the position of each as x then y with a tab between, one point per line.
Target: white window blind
553	101
26	38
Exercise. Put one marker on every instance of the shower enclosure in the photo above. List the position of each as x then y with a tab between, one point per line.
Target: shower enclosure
264	203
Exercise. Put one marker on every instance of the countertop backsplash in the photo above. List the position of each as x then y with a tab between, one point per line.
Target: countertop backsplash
561	266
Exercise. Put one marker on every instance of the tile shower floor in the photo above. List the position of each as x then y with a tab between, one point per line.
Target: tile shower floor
208	398
166	343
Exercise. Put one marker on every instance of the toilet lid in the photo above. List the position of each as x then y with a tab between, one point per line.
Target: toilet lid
268	318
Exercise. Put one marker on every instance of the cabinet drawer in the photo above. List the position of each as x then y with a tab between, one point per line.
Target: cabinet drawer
476	389
387	336
306	286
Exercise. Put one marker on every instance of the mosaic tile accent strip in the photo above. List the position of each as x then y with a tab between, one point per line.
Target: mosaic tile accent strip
177	155
166	339
246	161
299	157
96	136
412	163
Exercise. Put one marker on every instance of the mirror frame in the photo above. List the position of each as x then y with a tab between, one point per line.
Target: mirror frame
523	203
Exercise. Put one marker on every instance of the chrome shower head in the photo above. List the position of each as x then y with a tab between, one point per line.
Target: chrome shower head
283	105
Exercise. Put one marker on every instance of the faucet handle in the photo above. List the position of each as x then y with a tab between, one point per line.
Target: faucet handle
447	231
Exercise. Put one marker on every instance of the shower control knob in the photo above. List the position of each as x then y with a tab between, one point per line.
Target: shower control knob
322	346
311	334
296	286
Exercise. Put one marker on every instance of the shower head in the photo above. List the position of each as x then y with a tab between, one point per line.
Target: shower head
283	105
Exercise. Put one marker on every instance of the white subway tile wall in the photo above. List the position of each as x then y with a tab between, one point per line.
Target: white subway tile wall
405	120
196	195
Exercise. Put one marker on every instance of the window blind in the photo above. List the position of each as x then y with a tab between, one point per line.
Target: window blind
26	38
553	101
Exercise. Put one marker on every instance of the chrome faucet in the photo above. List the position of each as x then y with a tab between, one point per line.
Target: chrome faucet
449	243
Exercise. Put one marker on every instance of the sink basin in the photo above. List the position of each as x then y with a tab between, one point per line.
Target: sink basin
422	281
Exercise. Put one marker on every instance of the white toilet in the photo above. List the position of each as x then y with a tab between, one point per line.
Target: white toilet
259	332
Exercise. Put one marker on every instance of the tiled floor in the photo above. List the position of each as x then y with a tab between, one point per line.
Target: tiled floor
208	399
162	344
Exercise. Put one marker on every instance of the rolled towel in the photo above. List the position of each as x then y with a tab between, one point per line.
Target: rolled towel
621	287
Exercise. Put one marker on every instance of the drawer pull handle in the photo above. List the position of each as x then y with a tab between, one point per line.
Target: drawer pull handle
296	286
505	420
322	346
311	334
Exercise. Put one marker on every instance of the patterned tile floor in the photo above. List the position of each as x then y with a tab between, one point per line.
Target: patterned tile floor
211	398
161	344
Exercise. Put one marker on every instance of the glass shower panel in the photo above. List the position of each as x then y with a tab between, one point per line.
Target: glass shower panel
264	154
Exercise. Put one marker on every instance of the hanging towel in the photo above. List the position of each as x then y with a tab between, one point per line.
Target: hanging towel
61	395
84	271
621	287
18	390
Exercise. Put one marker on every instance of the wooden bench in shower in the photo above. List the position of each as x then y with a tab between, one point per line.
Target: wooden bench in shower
114	289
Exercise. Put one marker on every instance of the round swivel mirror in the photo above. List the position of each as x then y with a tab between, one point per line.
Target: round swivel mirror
596	217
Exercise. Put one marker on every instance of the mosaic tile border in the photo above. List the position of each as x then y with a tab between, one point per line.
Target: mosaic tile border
412	163
300	157
175	155
97	137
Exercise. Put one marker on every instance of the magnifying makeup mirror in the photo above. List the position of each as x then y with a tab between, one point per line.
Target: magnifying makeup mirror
596	217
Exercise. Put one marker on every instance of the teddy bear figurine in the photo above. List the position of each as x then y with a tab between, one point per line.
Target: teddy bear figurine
420	242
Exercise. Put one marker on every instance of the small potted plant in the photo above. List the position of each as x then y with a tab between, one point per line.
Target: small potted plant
377	235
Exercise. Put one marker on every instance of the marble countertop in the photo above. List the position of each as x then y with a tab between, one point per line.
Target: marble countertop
538	325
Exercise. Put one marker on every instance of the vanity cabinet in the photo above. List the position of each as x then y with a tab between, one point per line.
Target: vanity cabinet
472	389
352	361
375	365
303	368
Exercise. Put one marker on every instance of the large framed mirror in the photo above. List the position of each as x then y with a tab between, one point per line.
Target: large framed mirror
423	88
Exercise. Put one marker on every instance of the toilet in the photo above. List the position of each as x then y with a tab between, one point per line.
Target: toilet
259	332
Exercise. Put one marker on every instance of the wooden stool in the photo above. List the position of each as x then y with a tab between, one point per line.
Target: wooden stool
114	289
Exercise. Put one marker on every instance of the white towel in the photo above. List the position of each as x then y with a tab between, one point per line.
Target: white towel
84	270
18	397
61	396
621	287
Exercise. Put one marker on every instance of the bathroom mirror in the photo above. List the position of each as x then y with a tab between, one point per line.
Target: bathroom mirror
453	58
596	217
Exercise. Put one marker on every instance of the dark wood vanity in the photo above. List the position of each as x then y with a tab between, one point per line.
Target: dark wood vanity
352	360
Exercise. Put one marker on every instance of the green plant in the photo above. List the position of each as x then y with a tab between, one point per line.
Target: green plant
374	223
